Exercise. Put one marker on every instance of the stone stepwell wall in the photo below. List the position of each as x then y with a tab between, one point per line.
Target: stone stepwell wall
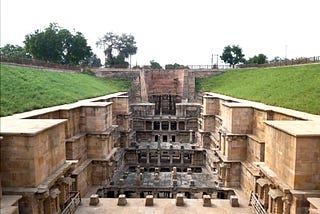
132	74
146	82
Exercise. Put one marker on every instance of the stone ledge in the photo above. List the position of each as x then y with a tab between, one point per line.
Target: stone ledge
271	175
255	138
297	128
53	177
9	200
76	137
96	104
106	132
264	107
254	170
27	127
80	168
315	202
225	159
9	210
44	186
78	104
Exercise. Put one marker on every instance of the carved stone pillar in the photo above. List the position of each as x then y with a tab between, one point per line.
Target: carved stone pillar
159	159
148	157
270	207
222	172
266	196
41	201
190	136
54	198
47	206
227	178
287	200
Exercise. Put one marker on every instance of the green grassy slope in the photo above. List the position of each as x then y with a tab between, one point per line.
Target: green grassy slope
24	89
295	87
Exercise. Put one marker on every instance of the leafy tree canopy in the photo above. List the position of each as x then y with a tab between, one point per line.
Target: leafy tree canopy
257	59
92	61
58	45
232	55
155	65
14	51
117	48
275	59
175	66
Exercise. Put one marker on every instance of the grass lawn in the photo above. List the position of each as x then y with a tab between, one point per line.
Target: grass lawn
294	87
23	89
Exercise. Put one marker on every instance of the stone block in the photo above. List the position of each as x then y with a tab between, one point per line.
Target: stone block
179	199
174	182
141	169
174	175
206	201
189	171
234	202
156	176
121	181
149	200
122	200
94	200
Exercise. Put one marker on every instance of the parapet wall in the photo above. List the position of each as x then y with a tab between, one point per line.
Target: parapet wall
148	82
48	154
277	149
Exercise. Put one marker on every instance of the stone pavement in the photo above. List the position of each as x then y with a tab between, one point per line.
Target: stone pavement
162	206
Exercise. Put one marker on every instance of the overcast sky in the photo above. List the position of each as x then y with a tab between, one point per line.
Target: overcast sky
176	31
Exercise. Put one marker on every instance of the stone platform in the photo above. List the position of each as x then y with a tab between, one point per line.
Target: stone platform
163	206
126	181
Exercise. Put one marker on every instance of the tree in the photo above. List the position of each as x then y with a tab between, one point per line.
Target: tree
14	51
275	59
155	65
58	45
92	61
117	48
257	59
175	66
232	55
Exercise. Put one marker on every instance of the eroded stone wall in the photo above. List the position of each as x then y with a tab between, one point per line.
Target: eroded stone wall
46	151
278	150
281	157
33	158
307	166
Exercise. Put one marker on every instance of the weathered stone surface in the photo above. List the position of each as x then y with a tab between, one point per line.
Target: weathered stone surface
179	200
94	200
234	201
243	142
33	157
149	200
206	200
122	201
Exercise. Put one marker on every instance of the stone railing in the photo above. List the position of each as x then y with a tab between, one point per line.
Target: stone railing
209	67
284	62
255	203
281	62
72	203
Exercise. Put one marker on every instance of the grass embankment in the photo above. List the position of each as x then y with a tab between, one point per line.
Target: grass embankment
295	87
23	89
